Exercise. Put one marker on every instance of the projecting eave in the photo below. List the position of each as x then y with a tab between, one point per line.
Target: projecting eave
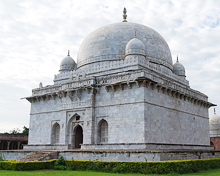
28	98
211	104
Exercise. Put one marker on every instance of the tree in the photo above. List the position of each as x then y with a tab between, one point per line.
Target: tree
17	131
25	130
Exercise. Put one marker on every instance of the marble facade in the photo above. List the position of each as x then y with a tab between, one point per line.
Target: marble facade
123	93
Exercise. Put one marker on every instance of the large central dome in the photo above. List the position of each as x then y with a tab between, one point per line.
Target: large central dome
108	44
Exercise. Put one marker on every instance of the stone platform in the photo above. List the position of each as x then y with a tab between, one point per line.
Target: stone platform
119	155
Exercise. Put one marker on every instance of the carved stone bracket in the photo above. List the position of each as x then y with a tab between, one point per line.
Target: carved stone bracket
38	98
137	84
113	88
63	94
168	91
147	84
78	94
121	86
70	95
144	83
173	92
164	89
60	95
47	97
152	85
98	89
129	85
181	96
159	87
106	88
177	95
43	97
87	90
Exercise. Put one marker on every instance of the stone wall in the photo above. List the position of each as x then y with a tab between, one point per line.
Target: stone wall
172	120
121	155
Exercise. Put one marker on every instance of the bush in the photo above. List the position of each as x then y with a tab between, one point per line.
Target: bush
1	159
60	162
155	167
60	167
26	165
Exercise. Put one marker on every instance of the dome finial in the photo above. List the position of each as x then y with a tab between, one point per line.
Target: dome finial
124	15
68	53
177	60
214	111
135	33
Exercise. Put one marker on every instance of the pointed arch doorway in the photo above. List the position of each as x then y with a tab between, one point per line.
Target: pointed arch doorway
78	136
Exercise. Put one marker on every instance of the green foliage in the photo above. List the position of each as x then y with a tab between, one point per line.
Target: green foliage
60	162
59	167
25	130
157	167
1	159
17	131
28	165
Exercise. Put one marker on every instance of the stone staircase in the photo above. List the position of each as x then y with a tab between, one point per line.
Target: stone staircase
40	156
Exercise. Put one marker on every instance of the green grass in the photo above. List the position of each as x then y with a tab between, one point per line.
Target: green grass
214	172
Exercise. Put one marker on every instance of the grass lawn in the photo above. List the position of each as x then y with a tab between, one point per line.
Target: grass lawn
214	172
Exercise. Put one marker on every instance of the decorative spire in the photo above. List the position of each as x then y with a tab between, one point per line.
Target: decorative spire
177	60
68	53
214	111
124	15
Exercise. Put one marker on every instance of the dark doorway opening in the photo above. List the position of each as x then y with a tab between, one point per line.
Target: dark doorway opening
4	145
79	137
13	145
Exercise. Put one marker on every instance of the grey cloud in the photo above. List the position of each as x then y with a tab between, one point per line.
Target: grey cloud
35	36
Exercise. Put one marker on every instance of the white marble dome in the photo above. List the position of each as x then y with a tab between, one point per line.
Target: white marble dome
108	44
179	69
135	46
67	64
214	125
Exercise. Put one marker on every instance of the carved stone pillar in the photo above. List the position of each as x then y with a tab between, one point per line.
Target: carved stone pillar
8	142
19	143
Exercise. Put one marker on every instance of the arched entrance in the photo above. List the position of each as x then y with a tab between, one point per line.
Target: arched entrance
4	145
78	137
13	145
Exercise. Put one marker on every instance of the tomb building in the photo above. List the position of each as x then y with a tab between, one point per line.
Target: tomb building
214	125
124	92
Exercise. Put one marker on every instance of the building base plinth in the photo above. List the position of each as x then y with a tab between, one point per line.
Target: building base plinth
136	146
119	155
46	147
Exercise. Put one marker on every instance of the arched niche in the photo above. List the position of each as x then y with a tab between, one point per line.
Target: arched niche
55	137
102	133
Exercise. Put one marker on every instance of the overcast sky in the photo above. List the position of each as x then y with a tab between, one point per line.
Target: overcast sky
36	34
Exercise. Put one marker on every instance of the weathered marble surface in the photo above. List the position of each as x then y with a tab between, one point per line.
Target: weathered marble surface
138	95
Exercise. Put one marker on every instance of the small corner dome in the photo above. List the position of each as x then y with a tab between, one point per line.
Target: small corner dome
179	69
135	46
67	64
